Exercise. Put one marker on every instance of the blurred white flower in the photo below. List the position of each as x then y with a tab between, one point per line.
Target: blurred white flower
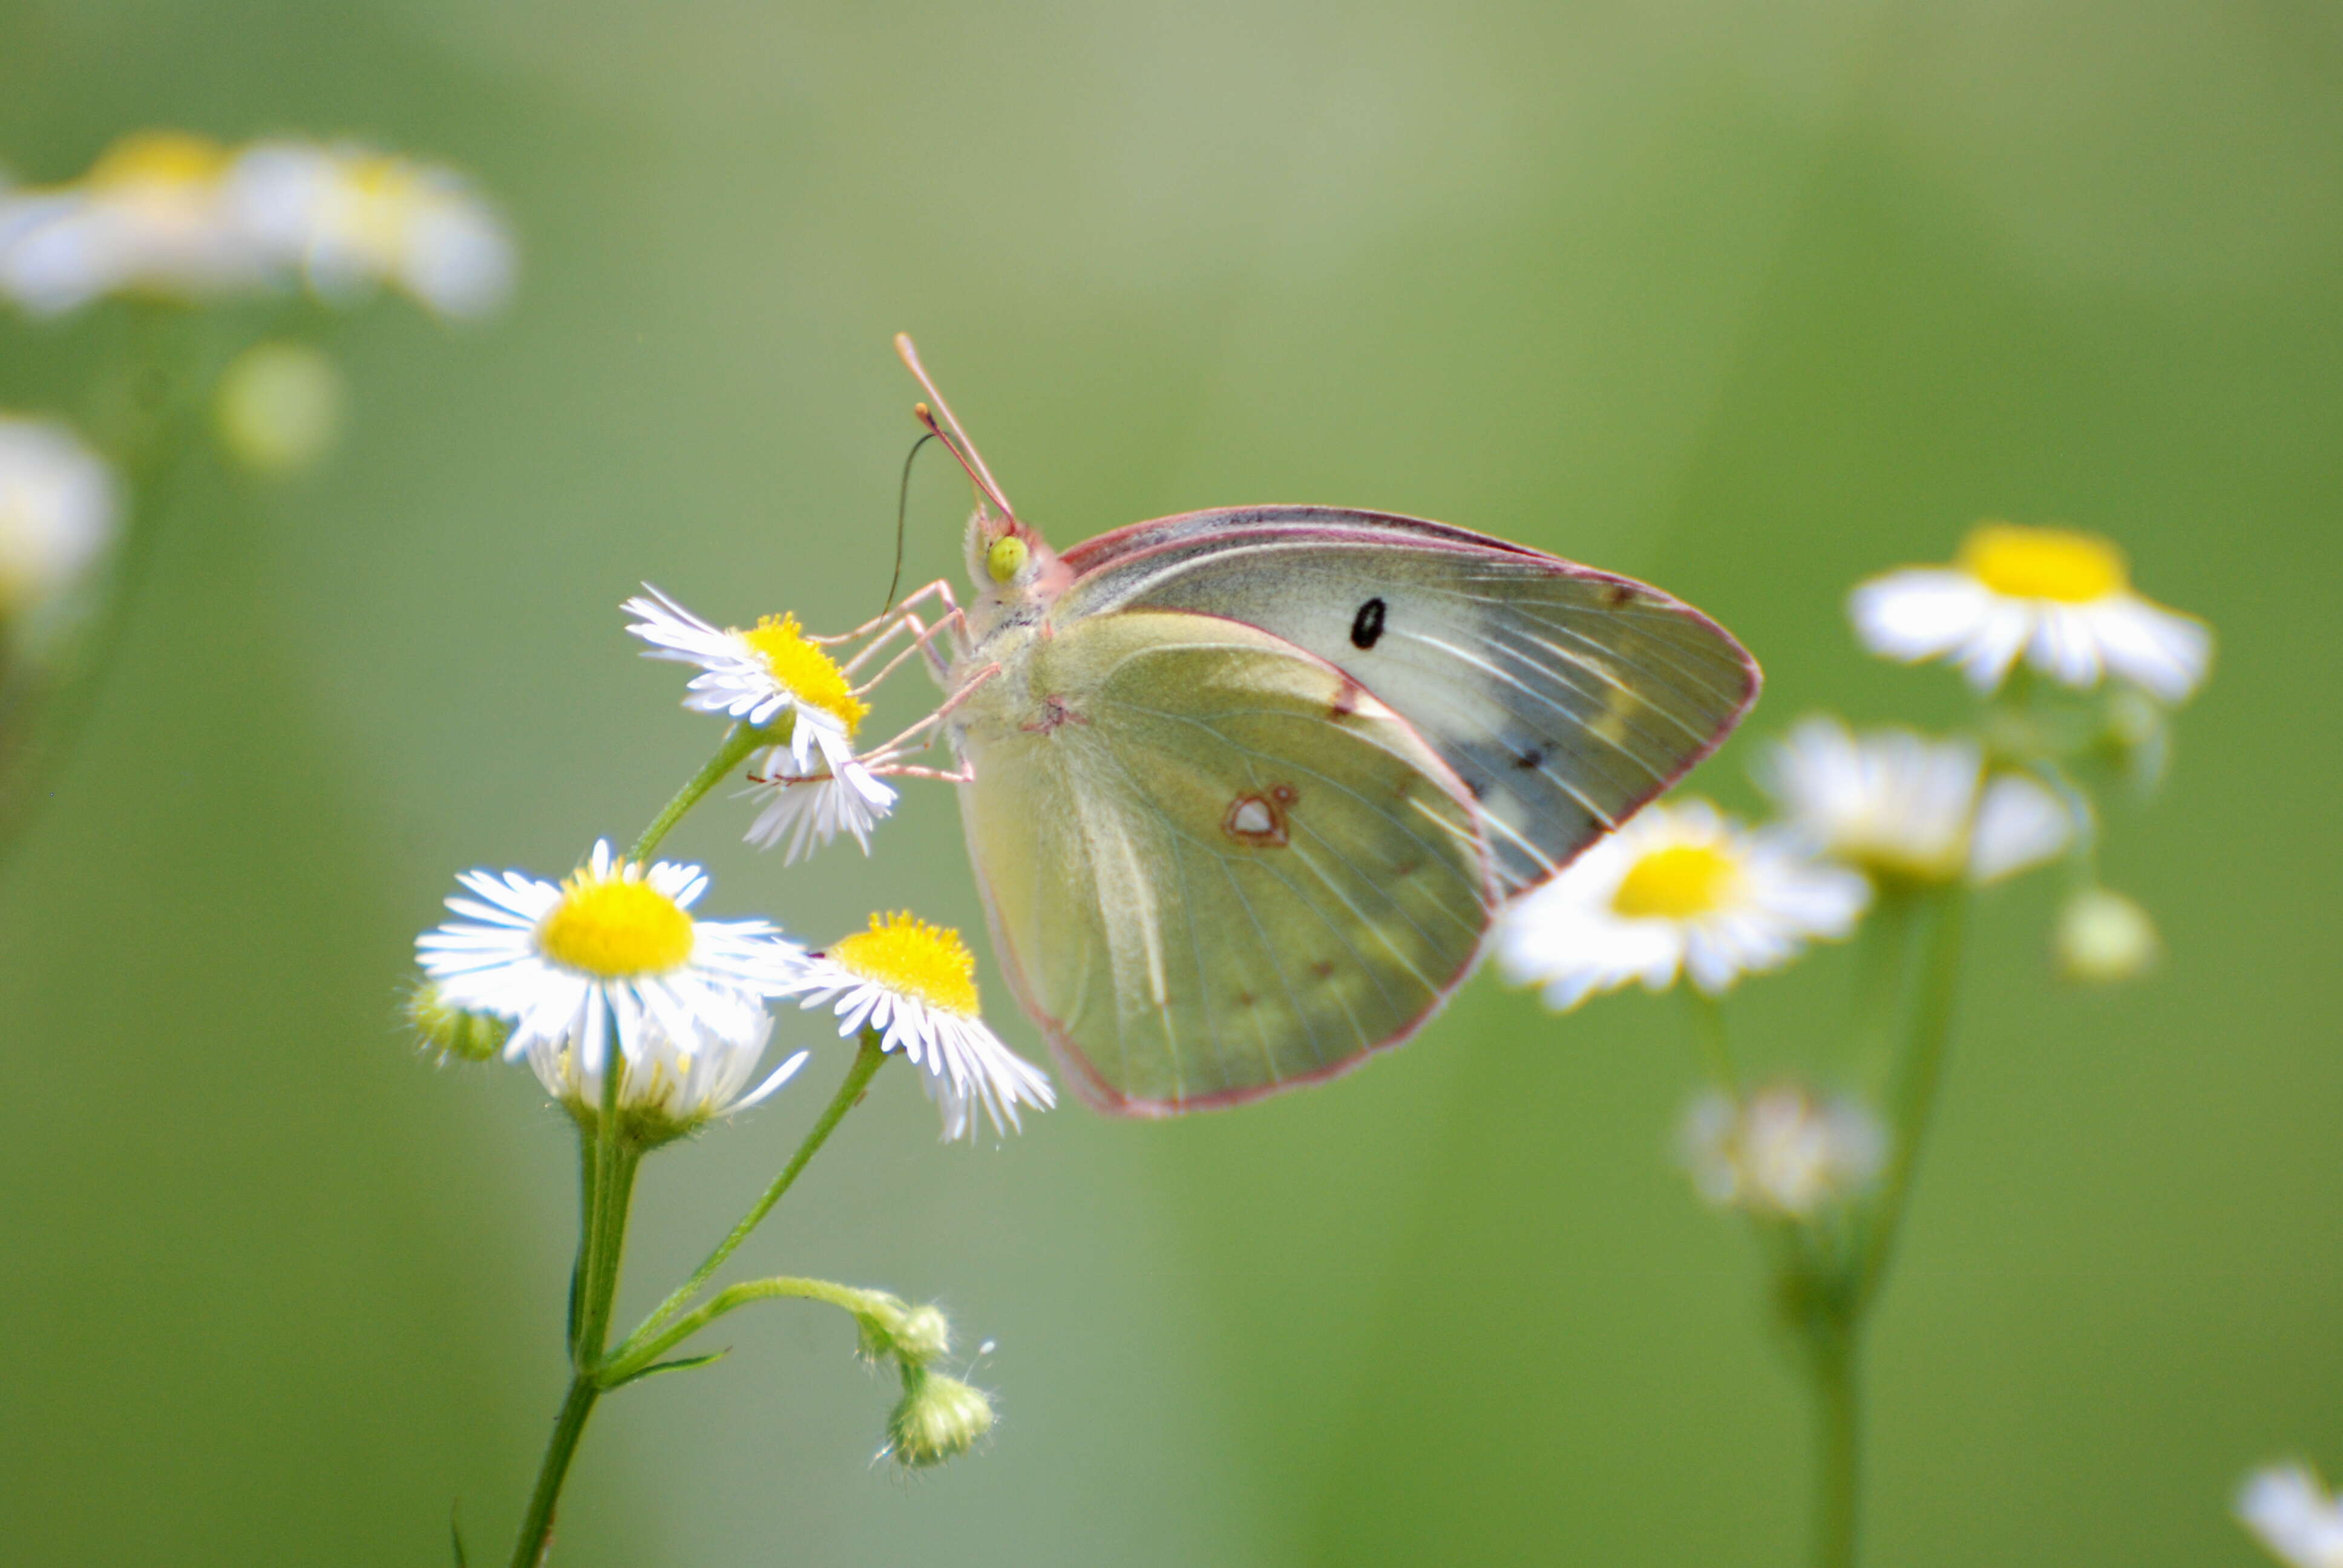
2291	1513
809	812
58	514
351	219
1681	888
755	675
152	214
2062	599
614	950
1899	805
279	408
916	984
2103	937
1781	1151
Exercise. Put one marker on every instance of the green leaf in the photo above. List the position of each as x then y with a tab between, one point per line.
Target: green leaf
686	1365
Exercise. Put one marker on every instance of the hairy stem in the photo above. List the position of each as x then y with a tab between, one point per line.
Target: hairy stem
868	1060
739	741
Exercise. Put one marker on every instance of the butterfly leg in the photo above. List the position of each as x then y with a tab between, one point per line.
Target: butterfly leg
922	642
881	758
939	590
963	774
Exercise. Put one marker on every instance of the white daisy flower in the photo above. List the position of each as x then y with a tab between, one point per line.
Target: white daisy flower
152	214
810	812
352	219
58	515
614	951
755	675
916	984
2060	598
1679	889
1781	1151
2292	1514
1901	806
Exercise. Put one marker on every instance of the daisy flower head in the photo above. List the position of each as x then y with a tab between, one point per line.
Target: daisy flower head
352	219
611	964
809	812
1902	807
1781	1151
915	985
1680	890
2061	597
756	675
2293	1515
58	512
152	214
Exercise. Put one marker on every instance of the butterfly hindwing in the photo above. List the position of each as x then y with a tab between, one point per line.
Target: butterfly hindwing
1213	866
1563	698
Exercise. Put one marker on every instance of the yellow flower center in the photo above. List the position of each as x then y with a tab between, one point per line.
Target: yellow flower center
912	958
160	157
615	929
2059	564
1681	882
380	200
804	671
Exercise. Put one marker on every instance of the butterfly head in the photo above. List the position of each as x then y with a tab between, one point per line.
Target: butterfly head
1008	562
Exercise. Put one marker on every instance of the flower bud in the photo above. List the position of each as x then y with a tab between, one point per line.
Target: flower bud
893	1329
2104	938
939	1418
278	408
448	1031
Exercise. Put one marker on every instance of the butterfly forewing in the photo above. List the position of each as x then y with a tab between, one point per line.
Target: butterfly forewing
1563	698
1214	866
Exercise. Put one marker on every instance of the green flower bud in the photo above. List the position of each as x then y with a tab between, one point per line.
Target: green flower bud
894	1329
939	1418
2104	938
447	1031
278	408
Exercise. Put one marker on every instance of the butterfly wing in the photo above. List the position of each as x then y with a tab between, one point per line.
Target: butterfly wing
1212	867
1563	698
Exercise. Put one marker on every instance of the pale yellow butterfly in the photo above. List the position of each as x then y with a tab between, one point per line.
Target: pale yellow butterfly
1244	789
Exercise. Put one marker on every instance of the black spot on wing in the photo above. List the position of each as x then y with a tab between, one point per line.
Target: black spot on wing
1367	626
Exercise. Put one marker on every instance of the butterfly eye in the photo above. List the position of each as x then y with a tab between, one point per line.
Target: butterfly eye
1006	558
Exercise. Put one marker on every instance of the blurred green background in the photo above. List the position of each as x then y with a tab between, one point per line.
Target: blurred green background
1748	299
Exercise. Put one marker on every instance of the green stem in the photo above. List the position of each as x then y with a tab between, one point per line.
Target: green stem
1881	959
633	1358
606	1171
867	1062
536	1526
1918	1073
739	741
1710	1039
1838	1445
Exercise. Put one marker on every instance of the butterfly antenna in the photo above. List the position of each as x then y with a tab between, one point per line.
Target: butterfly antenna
950	431
902	506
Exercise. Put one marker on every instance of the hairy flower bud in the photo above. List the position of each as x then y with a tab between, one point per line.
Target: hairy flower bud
939	1418
447	1031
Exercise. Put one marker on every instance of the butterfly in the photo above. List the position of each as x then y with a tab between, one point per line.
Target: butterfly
1244	790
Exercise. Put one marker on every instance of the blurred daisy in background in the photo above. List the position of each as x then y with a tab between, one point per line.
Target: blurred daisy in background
915	984
755	675
277	408
2061	597
1680	890
610	955
1781	1151
1899	806
59	513
351	219
2292	1514
153	216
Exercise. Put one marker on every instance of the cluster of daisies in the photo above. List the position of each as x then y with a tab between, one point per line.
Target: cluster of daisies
183	216
1686	892
609	970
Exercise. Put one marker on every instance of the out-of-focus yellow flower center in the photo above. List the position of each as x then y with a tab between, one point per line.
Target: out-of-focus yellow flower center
160	157
2059	564
378	200
804	671
615	929
1680	882
912	958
